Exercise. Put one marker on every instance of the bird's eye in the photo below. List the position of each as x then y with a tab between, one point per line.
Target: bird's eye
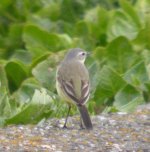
83	53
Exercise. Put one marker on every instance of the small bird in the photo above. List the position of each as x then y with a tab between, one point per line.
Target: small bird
72	84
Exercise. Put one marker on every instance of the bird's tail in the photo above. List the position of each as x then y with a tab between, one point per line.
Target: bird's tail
85	116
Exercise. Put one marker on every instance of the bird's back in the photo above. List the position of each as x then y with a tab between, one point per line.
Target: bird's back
76	73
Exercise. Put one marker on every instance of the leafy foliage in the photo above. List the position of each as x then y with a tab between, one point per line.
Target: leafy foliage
35	36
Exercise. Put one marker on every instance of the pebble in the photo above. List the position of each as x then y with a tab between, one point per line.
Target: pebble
112	133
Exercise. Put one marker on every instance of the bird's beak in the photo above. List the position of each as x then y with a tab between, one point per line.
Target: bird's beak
88	54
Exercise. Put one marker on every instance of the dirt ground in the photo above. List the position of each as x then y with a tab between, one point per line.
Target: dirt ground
112	133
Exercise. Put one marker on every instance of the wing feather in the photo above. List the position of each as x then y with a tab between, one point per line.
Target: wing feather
85	92
69	90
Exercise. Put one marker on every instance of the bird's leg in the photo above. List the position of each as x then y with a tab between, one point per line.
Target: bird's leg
65	126
81	124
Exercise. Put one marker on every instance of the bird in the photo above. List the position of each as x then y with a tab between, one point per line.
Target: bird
73	84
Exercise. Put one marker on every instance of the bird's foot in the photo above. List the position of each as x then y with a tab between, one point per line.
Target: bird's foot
65	127
81	126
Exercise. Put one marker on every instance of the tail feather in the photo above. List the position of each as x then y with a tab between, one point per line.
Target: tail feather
85	116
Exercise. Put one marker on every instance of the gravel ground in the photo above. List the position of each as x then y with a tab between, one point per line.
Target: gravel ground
112	133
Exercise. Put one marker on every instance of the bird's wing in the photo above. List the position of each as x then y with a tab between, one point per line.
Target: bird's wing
69	89
75	85
85	91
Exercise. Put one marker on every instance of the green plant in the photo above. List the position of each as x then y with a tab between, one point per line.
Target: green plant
35	36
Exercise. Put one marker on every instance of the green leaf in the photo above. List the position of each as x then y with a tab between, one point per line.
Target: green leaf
65	41
45	74
137	75
100	54
97	21
14	37
3	77
5	4
50	10
142	41
73	8
23	56
142	8
38	41
94	76
120	54
128	99
40	59
146	92
129	9
121	24
146	58
39	107
5	109
53	59
81	28
26	91
16	73
109	84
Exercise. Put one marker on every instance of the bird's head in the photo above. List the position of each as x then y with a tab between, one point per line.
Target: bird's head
77	54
